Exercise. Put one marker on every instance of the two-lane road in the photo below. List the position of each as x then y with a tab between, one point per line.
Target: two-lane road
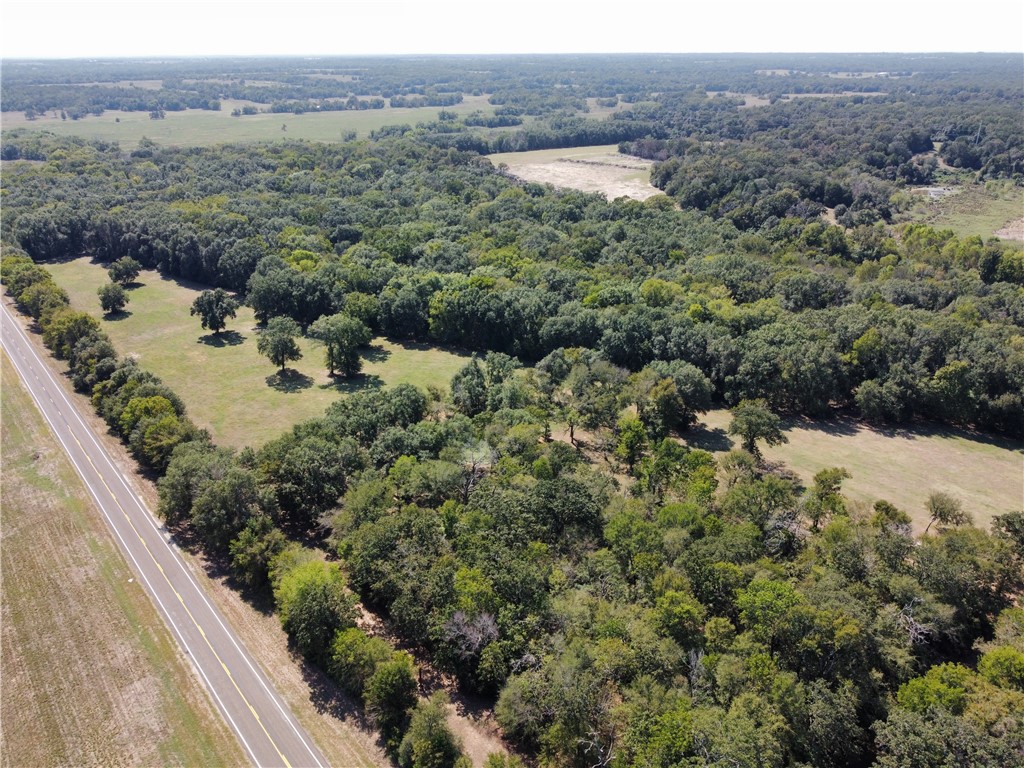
253	709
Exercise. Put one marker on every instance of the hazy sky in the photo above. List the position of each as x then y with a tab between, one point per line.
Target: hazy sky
54	28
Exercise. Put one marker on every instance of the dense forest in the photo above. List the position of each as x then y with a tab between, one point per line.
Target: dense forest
622	599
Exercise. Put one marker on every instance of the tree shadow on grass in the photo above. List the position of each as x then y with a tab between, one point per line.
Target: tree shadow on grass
222	339
837	425
358	383
329	699
114	317
375	353
714	440
289	380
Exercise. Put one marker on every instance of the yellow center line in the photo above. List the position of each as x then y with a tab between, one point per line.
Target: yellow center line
189	612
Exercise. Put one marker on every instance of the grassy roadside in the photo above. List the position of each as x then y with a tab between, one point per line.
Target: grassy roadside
228	387
90	673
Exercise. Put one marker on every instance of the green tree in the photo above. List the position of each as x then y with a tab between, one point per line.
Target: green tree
355	657
113	298
632	441
753	421
429	742
341	335
214	308
65	327
945	510
824	499
124	270
277	341
314	604
253	550
390	694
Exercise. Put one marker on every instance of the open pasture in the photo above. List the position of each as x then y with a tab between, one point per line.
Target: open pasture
900	465
228	387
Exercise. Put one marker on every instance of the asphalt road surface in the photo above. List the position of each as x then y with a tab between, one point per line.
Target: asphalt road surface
245	697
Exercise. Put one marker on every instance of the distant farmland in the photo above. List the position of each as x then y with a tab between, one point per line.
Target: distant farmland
201	128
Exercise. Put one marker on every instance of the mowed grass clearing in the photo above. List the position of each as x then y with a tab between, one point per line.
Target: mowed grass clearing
901	466
228	387
91	676
203	128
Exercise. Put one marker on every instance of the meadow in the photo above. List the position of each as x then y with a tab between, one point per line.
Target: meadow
227	386
972	209
902	466
91	676
203	128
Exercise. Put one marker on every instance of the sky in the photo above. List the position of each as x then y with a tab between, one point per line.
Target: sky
79	28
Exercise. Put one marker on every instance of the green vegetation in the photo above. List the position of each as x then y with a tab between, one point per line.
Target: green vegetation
91	674
621	597
159	333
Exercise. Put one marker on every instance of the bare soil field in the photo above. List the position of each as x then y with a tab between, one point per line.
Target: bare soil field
589	169
901	466
90	674
1012	231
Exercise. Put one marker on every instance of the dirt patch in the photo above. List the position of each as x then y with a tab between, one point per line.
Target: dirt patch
588	169
1012	231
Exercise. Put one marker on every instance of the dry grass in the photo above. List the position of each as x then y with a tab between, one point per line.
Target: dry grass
228	387
590	169
90	673
901	466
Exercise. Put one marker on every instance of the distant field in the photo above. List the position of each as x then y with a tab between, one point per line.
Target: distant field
90	673
900	466
972	209
198	127
590	169
228	387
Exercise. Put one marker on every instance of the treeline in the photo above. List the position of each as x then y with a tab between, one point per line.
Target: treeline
540	85
76	102
430	244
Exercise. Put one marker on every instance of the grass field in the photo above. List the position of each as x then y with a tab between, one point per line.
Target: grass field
973	209
900	466
197	127
90	673
597	168
227	386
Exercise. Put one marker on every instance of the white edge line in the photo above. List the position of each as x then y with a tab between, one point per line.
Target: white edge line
275	697
142	574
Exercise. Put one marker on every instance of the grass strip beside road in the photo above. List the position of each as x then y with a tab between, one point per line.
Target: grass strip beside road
90	673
